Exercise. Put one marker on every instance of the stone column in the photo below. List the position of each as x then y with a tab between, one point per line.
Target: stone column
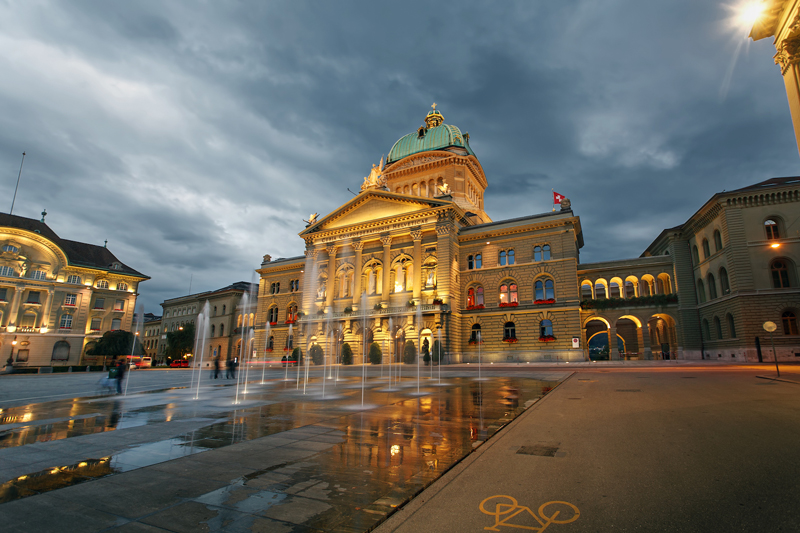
613	349
309	290
443	261
386	239
585	344
330	288
788	58
15	303
644	340
416	234
358	246
45	320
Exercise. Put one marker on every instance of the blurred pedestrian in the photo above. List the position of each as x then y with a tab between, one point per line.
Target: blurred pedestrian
122	367
216	367
229	368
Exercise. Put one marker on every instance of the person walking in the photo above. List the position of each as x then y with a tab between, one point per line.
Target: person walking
121	369
216	368
229	368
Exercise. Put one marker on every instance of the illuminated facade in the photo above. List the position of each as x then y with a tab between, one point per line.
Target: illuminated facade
58	296
415	257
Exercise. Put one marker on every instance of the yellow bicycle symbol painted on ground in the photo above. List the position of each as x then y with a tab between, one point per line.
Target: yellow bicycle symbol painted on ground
506	508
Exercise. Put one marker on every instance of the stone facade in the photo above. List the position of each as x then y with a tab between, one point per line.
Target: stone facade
415	257
57	296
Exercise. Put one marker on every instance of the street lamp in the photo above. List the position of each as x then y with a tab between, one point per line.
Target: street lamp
771	327
11	356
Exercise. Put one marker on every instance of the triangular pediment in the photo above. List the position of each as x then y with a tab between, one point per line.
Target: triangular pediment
373	205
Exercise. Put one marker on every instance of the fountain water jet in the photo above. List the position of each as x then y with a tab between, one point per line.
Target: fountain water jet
137	331
200	345
419	342
266	346
364	342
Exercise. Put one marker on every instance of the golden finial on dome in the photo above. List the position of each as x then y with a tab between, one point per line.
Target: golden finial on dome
434	118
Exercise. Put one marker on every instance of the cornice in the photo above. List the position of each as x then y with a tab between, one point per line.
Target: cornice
433	159
531	226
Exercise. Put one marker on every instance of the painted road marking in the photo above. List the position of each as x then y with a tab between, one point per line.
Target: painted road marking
507	508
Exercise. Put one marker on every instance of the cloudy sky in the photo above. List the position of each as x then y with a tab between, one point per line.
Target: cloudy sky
196	136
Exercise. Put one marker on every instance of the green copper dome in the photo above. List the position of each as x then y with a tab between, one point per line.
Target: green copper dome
435	136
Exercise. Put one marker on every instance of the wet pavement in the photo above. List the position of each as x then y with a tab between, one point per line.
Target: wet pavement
282	459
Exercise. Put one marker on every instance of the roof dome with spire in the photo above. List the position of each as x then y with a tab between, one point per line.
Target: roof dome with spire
434	135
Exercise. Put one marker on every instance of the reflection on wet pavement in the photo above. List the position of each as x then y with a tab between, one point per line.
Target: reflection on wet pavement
335	467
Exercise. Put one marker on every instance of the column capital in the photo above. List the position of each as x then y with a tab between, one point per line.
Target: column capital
416	234
358	245
311	252
386	239
788	53
442	231
331	249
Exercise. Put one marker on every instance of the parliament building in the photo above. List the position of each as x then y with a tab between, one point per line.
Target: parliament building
416	257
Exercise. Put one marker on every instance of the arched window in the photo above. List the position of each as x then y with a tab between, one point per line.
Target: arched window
586	290
478	261
706	333
701	291
706	250
60	351
502	258
546	252
116	324
712	286
537	253
613	290
508	293
271	343
66	321
724	285
731	326
695	256
511	257
122	286
291	312
599	290
509	331
470	262
630	289
545	328
470	297
780	274
239	321
102	284
717	240
789	323
213	330
223	309
771	227
272	314
718	327
544	290
475	334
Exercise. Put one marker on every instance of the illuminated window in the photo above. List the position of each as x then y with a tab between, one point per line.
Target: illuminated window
102	284
470	297
508	293
122	286
509	331
789	323
8	272
9	248
291	312
780	274
73	279
771	227
71	299
66	322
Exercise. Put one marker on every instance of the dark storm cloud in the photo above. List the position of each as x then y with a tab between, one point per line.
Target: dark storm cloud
195	137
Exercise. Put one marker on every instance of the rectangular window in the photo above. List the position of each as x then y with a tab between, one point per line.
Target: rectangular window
116	324
100	303
22	356
37	274
119	305
75	280
66	322
71	299
3	295
33	297
8	272
95	324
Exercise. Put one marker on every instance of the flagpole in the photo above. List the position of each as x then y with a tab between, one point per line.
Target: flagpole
554	198
17	187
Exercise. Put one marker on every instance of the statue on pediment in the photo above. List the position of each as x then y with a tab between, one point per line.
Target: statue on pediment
376	179
444	189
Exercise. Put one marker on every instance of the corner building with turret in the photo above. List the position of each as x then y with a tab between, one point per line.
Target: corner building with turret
415	257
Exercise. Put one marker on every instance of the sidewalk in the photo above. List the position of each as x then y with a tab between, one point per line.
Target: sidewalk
649	451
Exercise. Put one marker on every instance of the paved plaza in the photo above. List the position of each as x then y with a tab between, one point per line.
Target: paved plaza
587	447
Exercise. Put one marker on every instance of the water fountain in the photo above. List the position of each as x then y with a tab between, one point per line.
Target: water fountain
364	342
249	324
200	344
439	332
419	342
137	329
244	305
267	330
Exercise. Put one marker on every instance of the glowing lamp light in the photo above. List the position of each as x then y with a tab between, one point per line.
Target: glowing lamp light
11	329
775	245
14	342
43	329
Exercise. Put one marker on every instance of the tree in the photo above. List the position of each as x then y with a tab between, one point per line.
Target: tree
409	353
180	343
436	354
115	344
375	354
316	353
347	354
297	355
426	356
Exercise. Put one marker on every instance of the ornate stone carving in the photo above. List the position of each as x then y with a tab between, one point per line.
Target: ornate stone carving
376	179
416	234
358	245
788	54
331	249
565	204
421	161
386	239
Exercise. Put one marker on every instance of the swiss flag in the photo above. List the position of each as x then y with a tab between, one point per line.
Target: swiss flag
557	197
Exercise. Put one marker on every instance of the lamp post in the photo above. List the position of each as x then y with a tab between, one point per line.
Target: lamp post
771	327
11	356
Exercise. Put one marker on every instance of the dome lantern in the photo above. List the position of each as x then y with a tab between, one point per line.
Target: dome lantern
434	118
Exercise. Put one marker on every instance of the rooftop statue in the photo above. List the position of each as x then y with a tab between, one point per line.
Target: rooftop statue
312	219
375	180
